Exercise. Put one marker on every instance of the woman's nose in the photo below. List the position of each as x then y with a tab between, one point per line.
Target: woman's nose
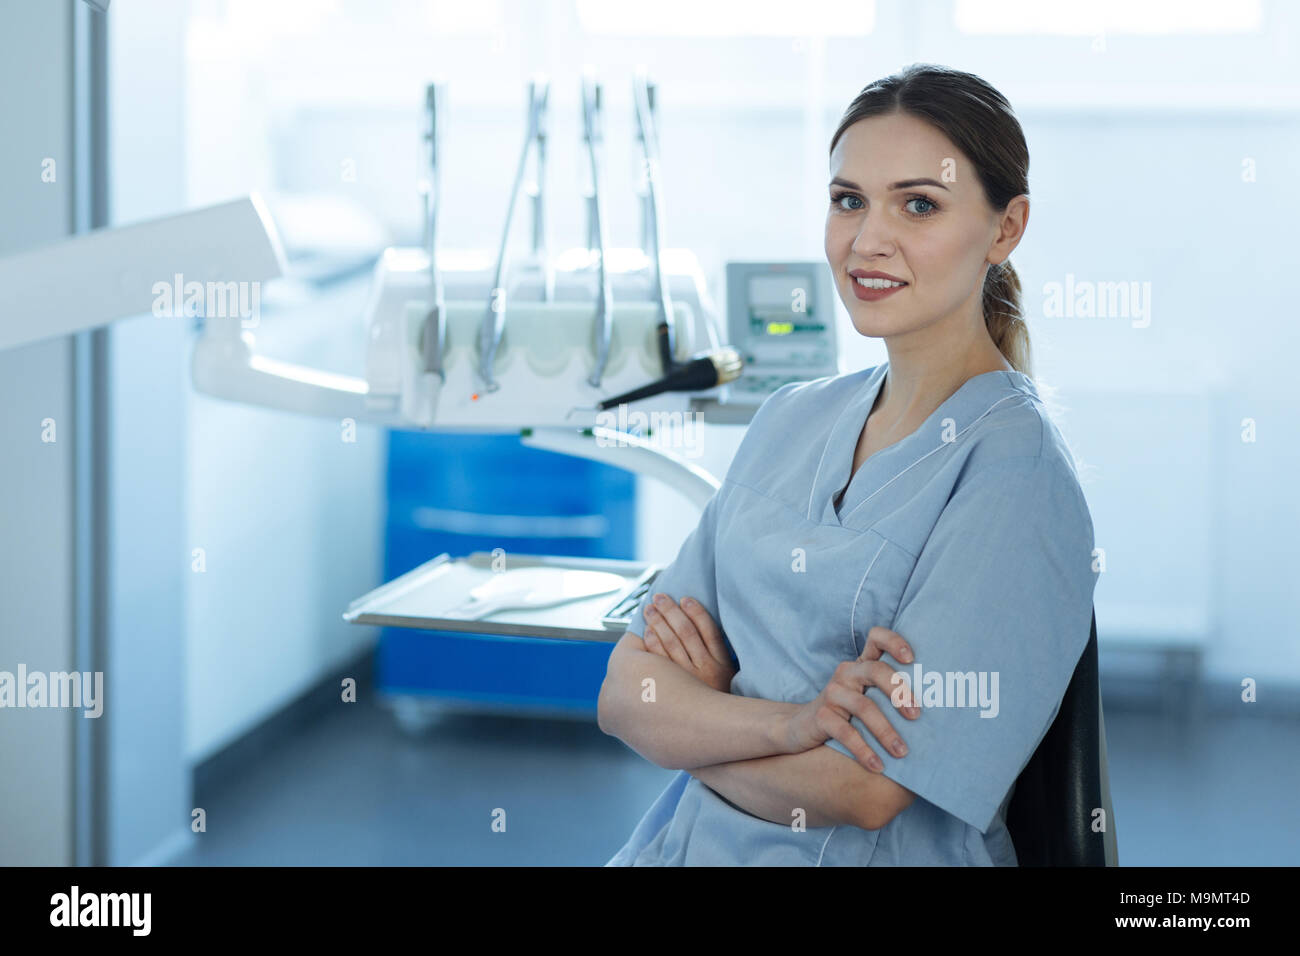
873	237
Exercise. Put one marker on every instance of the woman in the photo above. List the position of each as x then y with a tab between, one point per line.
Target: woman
926	509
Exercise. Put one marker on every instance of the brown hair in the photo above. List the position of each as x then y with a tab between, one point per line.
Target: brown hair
980	122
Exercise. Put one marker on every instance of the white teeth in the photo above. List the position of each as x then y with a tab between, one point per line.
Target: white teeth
879	283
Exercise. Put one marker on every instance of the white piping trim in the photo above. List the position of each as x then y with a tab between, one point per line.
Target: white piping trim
927	455
813	490
853	613
824	842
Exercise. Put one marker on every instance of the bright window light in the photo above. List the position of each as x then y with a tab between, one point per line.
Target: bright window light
1091	17
456	16
264	17
736	18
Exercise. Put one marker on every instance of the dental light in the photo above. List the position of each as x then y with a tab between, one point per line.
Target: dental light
89	280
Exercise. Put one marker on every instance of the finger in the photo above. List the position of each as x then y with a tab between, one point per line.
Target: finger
894	683
896	686
840	729
676	653
882	639
866	711
843	712
652	642
708	629
684	630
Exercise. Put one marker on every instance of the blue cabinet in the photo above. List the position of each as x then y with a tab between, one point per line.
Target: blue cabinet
461	493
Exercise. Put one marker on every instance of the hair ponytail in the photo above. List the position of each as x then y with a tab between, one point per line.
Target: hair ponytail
1005	317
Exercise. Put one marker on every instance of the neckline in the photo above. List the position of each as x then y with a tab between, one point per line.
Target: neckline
970	401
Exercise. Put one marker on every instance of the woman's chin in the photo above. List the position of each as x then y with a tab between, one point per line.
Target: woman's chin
873	327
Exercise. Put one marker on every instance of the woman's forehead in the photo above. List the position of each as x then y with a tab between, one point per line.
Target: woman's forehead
879	150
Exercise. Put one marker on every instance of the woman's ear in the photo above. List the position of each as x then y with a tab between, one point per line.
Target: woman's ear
1011	229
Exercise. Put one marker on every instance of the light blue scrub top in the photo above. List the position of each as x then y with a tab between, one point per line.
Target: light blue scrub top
970	537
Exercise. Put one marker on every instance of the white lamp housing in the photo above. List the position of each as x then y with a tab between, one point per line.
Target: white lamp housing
87	281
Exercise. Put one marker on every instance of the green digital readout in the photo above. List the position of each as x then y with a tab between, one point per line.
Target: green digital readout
763	323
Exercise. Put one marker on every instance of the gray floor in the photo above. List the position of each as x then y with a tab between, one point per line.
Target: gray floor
353	789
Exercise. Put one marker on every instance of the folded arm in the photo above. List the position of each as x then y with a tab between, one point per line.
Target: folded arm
774	764
678	722
830	790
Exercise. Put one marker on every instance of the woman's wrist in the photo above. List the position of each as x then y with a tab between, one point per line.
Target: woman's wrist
779	728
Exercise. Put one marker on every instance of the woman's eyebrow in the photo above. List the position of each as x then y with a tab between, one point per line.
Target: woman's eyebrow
892	187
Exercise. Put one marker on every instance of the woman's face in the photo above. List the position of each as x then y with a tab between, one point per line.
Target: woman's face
905	202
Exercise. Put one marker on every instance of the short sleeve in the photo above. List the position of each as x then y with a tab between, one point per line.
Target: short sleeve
693	573
998	612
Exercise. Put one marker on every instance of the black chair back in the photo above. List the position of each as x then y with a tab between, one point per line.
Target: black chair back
1051	811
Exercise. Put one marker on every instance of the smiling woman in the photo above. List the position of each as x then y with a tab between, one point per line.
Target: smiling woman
963	195
925	510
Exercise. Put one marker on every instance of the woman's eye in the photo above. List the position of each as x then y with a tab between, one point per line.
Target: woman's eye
838	200
930	207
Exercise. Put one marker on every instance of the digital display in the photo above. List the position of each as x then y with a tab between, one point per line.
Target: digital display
781	318
761	325
781	305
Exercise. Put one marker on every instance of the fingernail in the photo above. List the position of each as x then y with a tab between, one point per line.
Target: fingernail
661	599
906	657
900	748
874	763
651	610
688	602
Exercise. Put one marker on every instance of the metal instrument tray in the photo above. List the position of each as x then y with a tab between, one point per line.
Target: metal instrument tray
424	596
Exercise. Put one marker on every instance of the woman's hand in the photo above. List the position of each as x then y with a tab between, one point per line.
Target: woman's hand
688	636
845	696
